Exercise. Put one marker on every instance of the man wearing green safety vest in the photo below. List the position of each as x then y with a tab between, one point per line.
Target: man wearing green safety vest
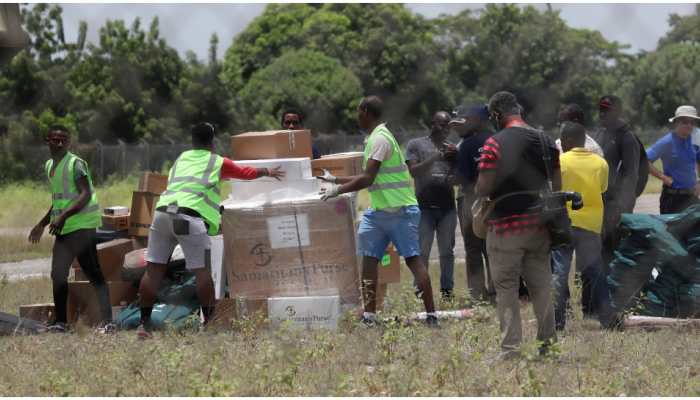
393	215
73	218
187	213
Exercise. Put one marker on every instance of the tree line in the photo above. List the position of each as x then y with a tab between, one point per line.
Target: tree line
321	59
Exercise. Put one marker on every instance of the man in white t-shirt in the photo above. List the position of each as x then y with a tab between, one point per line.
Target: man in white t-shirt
574	113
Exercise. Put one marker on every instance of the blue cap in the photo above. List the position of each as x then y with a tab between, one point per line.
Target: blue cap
480	111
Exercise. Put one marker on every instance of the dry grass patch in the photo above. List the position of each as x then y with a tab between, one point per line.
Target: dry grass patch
456	360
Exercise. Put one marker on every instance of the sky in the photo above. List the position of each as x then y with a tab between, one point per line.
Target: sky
189	26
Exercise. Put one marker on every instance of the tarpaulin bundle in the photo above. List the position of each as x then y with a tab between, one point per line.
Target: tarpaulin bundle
671	245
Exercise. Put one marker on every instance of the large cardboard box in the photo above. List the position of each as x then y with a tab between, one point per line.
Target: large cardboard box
271	144
115	222
111	258
305	312
143	206
38	312
83	304
341	164
153	183
304	247
390	267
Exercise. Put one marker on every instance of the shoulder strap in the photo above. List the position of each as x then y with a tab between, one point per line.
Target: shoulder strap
546	157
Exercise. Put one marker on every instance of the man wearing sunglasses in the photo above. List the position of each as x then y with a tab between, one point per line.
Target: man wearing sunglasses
680	158
73	218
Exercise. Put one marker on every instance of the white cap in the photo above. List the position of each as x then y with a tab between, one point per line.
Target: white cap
685	111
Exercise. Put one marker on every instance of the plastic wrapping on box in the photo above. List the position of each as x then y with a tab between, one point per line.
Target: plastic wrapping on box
294	168
299	247
269	191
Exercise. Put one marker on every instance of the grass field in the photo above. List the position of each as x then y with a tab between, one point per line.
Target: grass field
456	360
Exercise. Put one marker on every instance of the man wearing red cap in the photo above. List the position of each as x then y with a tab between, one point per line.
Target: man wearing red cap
623	152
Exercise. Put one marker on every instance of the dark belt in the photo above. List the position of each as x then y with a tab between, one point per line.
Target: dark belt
182	210
679	191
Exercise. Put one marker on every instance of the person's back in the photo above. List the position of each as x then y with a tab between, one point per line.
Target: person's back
586	173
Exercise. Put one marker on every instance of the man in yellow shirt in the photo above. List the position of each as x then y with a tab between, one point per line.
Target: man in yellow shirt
586	173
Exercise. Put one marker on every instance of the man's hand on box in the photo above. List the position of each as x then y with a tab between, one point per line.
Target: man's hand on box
328	193
276	173
328	177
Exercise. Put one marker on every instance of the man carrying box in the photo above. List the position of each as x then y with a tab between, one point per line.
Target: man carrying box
187	213
393	215
73	217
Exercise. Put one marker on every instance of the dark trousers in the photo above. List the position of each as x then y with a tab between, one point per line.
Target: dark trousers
477	262
595	296
83	245
673	201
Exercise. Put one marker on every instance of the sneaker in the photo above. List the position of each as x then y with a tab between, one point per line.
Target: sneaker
431	321
106	329
143	332
57	327
446	295
368	322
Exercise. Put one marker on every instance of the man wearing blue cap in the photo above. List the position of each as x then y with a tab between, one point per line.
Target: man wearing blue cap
472	125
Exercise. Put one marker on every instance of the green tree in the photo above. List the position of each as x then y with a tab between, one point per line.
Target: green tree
683	28
319	85
662	81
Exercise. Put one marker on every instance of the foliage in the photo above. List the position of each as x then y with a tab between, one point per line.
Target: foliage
132	86
318	85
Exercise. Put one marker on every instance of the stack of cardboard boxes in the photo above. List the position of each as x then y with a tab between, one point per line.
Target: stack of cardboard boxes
82	298
289	255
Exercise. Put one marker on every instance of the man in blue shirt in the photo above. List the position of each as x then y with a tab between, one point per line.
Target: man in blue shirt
680	158
473	126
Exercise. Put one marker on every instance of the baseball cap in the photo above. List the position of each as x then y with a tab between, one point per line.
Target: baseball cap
461	113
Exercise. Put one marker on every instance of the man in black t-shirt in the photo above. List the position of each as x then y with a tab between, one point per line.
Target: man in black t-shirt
517	242
431	160
472	125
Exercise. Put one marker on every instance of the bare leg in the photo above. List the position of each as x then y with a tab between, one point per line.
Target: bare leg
205	291
149	286
422	279
369	283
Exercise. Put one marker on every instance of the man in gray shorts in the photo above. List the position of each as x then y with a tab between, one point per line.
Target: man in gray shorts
187	213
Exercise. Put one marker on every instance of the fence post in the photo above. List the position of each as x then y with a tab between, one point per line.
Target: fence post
147	152
122	151
98	145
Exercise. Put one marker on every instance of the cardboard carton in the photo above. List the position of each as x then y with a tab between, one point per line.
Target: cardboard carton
38	312
218	274
116	210
83	304
381	295
304	247
305	312
153	183
115	222
111	258
341	164
390	267
143	206
269	191
271	144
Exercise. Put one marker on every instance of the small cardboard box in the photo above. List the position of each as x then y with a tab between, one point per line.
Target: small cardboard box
115	222
83	303
271	144
229	309
309	312
38	312
341	164
153	183
389	267
111	258
143	206
116	210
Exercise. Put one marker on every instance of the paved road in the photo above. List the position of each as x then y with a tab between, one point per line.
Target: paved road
646	204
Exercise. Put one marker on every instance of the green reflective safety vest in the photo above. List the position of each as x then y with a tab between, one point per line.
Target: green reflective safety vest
392	186
195	183
64	192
